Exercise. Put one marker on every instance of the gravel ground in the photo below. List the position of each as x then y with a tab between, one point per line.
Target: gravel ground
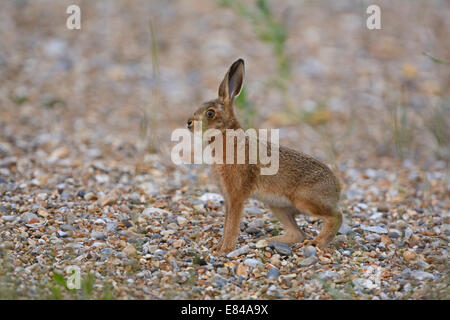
81	185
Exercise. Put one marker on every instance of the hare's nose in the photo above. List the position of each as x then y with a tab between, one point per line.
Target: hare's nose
189	124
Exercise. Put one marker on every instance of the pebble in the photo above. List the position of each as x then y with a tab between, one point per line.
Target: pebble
213	197
240	251
62	234
361	284
309	251
422	275
28	216
178	243
108	199
253	263
409	255
408	233
130	251
329	274
98	235
89	196
242	270
275	260
257	223
253	230
308	261
281	248
274	292
273	273
379	230
394	234
111	226
344	229
8	218
261	244
181	220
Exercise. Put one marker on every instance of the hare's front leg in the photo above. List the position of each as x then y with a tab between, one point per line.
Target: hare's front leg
233	206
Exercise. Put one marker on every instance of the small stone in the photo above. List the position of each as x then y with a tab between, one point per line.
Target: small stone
127	223
152	212
408	233
385	239
178	243
9	218
111	226
273	273
181	220
199	208
422	275
329	274
134	198
275	260
98	235
281	248
212	197
361	284
373	237
309	251
379	230
102	178
129	250
222	270
253	230
41	196
344	229
394	234
99	221
42	212
108	199
106	252
89	196
253	263
238	252
242	270
4	210
81	194
257	223
29	217
67	227
261	244
308	261
273	291
423	265
61	234
409	255
340	238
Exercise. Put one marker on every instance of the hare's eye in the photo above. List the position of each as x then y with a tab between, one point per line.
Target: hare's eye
210	113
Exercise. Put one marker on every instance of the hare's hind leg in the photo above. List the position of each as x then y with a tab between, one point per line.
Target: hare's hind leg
293	234
332	219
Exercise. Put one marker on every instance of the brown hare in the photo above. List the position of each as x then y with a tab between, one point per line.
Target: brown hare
301	185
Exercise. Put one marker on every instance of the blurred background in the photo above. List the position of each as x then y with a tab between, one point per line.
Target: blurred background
88	114
137	69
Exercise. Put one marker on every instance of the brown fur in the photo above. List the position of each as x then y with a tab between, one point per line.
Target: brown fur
302	184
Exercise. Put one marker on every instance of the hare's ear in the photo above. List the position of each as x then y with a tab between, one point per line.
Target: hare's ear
232	83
